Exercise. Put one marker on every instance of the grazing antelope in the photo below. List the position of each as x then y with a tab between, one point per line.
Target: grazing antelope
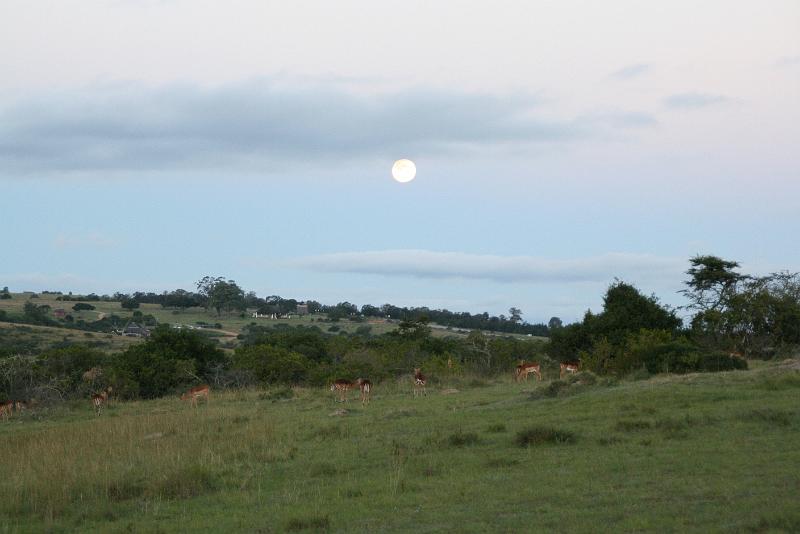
343	386
6	410
525	368
196	393
100	399
569	367
419	383
366	388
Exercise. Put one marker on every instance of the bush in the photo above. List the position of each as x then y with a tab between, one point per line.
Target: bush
719	361
82	306
541	435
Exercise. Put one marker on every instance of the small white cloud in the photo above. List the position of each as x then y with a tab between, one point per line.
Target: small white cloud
631	71
505	269
687	101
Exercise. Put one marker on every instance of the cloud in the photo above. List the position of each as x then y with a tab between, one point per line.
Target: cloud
505	269
693	100
90	240
631	71
131	127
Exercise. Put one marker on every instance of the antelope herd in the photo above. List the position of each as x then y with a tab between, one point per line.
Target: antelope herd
340	386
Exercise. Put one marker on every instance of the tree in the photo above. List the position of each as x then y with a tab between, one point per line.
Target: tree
554	323
82	306
515	315
129	303
712	283
221	294
4	294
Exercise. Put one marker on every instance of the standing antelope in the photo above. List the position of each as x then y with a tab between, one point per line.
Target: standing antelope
366	388
21	406
419	383
99	399
342	386
6	410
196	393
525	368
569	367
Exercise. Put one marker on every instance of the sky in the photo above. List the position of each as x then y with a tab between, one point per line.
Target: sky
559	146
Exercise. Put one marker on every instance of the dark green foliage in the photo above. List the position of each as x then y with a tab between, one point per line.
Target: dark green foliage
499	427
625	312
82	306
542	435
271	364
168	360
129	304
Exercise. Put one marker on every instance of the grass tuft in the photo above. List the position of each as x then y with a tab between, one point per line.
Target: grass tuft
542	435
771	416
496	428
500	463
315	522
632	425
462	439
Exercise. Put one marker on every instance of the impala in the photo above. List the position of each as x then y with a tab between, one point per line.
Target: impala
525	368
6	410
342	386
366	388
99	399
569	367
419	383
197	393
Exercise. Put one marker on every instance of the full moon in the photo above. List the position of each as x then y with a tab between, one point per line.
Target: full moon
404	170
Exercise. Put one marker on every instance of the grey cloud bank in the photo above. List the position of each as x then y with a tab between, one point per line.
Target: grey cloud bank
504	269
134	128
129	127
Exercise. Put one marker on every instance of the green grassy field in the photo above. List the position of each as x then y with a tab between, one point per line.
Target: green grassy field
702	453
231	324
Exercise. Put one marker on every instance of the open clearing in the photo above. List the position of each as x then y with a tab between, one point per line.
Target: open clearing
703	453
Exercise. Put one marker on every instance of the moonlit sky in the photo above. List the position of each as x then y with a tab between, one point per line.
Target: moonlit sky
145	144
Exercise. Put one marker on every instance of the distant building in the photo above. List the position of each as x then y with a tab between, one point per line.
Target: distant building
302	309
134	330
59	313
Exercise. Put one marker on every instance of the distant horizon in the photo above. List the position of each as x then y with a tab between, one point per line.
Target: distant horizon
557	146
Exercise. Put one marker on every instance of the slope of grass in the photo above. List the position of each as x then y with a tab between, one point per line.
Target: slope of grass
702	453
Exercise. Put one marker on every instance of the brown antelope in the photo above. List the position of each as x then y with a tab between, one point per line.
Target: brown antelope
419	383
20	406
100	399
197	393
343	386
366	389
569	367
525	368
6	410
